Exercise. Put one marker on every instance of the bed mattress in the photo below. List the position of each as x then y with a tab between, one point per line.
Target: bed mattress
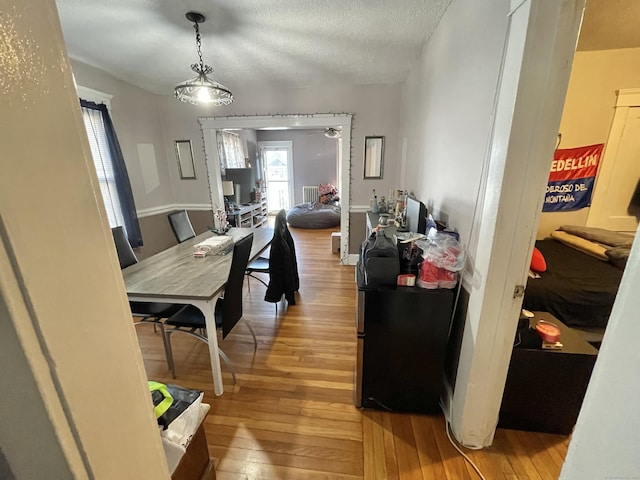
576	288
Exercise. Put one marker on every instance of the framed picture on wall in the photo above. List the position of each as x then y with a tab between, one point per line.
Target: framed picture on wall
373	157
184	154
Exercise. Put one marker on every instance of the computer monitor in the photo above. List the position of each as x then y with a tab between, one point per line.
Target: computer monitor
416	220
244	181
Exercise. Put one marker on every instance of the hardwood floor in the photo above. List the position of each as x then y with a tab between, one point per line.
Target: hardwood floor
291	414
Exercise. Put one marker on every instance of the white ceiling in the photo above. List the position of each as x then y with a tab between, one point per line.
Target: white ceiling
610	24
294	43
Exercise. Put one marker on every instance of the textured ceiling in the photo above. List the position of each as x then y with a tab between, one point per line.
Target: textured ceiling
294	43
610	24
290	43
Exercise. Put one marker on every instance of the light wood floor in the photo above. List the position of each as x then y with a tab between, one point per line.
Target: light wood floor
291	413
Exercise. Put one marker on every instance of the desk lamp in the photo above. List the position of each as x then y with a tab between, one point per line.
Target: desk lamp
228	191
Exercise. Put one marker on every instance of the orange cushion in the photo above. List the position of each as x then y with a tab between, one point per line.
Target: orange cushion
538	263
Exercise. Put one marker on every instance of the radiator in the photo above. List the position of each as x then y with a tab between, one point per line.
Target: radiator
310	194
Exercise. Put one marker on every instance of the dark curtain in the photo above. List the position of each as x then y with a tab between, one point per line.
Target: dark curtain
125	194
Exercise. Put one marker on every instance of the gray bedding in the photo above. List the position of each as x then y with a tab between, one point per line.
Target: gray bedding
619	243
314	215
600	235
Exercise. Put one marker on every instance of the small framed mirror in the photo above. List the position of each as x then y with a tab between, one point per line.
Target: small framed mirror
373	156
184	153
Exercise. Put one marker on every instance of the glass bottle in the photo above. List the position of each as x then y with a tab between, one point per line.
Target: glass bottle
382	205
374	202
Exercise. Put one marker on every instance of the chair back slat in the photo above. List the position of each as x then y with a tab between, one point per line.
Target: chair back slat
181	226
126	255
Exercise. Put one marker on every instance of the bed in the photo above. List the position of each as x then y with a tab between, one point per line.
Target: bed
577	288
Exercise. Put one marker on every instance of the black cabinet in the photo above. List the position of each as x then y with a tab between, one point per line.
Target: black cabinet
402	339
545	388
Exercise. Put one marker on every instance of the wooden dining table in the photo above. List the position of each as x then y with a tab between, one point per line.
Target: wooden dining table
175	275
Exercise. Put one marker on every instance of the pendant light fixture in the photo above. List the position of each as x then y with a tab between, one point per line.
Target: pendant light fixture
331	132
201	89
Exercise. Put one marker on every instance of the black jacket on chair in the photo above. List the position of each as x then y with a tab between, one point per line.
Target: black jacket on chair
283	266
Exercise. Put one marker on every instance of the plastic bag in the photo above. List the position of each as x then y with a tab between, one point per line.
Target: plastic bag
430	276
442	258
170	401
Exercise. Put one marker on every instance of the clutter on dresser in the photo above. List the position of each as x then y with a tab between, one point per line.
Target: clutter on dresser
374	202
415	245
409	253
382	205
442	259
406	280
396	205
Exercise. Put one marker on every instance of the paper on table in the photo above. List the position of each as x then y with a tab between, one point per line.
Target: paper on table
213	244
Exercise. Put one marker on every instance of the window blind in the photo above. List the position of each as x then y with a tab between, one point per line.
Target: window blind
103	162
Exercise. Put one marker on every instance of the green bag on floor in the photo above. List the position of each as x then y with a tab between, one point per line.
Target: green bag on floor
170	401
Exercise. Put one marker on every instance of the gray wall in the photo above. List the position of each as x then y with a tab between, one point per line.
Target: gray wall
357	230
447	108
157	233
250	142
376	110
136	118
447	103
314	157
141	117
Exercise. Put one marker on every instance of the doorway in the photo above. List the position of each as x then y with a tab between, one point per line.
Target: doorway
276	159
211	125
614	205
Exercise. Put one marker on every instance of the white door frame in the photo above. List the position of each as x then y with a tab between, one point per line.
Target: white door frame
537	58
626	99
209	125
288	145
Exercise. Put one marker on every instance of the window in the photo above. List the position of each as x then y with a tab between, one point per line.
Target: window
103	162
277	159
230	150
111	170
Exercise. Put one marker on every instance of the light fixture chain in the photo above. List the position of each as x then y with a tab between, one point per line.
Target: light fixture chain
198	45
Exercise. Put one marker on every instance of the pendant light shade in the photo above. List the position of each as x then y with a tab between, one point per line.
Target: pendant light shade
201	89
331	132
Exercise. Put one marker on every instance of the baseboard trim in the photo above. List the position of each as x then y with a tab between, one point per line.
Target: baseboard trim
359	208
446	400
352	259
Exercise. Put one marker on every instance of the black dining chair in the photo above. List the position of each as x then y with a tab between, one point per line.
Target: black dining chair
145	312
181	226
259	265
228	310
